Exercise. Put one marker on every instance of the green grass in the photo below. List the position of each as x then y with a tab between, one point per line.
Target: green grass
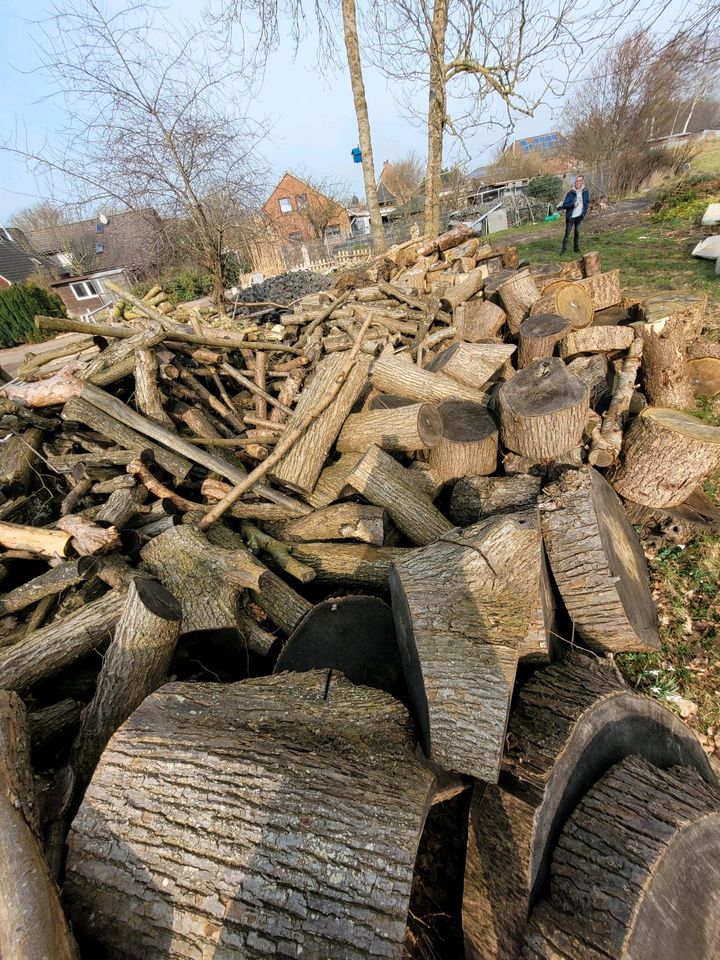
708	161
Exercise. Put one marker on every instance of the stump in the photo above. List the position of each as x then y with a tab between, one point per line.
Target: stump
688	308
469	442
636	872
298	821
543	410
568	300
664	373
538	336
415	426
472	364
518	293
598	564
478	320
666	455
462	609
603	288
353	635
569	725
474	498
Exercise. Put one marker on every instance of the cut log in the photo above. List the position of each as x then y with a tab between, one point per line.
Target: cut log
568	300
411	427
598	564
635	872
396	374
607	441
90	538
147	394
590	263
45	543
350	564
704	376
569	724
474	498
18	459
472	364
134	666
309	757
469	444
470	284
301	466
355	635
603	288
119	359
688	308
478	320
538	335
664	371
46	393
385	483
49	723
594	372
543	410
48	584
462	608
518	293
32	923
665	456
699	349
47	651
206	579
595	340
341	521
611	317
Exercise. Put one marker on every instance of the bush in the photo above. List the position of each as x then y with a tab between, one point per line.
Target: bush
19	306
687	199
547	188
187	285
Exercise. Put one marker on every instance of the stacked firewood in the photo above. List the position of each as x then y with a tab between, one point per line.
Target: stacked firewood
369	525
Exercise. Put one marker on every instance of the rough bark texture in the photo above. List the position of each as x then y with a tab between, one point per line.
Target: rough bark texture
384	482
472	364
32	924
46	651
301	808
474	498
437	114
48	723
595	340
462	607
591	264
568	300
635	872
603	288
665	456
469	442
607	440
664	372
332	482
396	374
570	723
470	284
688	308
341	521
18	456
417	426
48	584
478	320
598	564
301	466
538	335
134	666
543	410
147	395
518	294
351	564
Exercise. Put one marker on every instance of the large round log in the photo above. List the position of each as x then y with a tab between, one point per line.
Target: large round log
568	300
478	320
704	376
462	608
472	364
569	725
636	872
603	288
469	441
278	815
538	336
664	372
410	427
688	308
666	455
518	293
598	563
543	410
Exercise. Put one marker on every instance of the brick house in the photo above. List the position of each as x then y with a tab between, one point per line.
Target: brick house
301	214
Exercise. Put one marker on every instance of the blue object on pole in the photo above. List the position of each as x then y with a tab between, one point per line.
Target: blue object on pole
356	154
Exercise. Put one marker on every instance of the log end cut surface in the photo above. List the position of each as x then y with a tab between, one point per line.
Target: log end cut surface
545	387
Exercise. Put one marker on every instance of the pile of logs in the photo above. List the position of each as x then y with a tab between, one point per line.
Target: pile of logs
391	531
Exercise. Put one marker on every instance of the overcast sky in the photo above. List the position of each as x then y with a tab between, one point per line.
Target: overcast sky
312	117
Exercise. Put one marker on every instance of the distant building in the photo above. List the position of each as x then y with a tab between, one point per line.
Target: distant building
543	142
17	264
300	213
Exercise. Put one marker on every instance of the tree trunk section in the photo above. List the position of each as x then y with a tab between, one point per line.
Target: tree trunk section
567	300
396	374
350	564
664	372
590	263
462	608
308	757
147	394
596	340
538	335
688	308
598	564
543	410
472	364
603	288
413	427
518	294
607	441
470	284
332	483
469	444
437	108
18	457
665	457
478	320
474	498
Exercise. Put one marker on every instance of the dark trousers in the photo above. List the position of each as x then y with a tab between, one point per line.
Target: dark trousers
569	224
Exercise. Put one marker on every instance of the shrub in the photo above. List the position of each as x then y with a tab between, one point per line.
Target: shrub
687	199
547	188
19	306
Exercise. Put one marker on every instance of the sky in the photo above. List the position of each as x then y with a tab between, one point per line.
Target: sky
312	121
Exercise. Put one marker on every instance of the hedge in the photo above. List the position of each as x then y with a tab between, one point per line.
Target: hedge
19	306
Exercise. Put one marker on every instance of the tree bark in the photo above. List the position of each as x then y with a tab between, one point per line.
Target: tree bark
462	607
604	289
478	320
134	666
396	374
538	335
18	458
470	284
595	340
147	394
687	308
518	293
341	521
472	364
437	108
543	410
475	498
49	723
45	393
118	360
385	483
635	872
88	537
350	564
308	757
598	564
664	369
48	584
469	444
412	427
665	457
352	48
607	441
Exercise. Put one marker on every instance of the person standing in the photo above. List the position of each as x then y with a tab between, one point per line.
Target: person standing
575	205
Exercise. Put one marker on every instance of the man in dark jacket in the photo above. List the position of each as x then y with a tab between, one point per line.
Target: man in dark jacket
575	205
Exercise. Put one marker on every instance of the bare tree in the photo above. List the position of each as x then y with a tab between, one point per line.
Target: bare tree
152	118
322	206
403	177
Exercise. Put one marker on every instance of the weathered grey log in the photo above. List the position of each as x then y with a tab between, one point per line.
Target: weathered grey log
598	563
49	723
474	498
118	360
147	393
350	564
122	505
538	335
49	584
308	757
18	459
635	873
664	373
89	537
569	723
341	521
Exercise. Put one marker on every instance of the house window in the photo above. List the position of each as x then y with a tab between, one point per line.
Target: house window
99	228
296	237
84	289
285	205
332	232
301	201
99	247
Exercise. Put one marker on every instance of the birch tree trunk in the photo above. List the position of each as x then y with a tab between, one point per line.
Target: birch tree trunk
436	117
352	47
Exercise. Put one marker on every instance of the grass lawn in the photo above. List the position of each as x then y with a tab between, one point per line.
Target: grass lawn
708	160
